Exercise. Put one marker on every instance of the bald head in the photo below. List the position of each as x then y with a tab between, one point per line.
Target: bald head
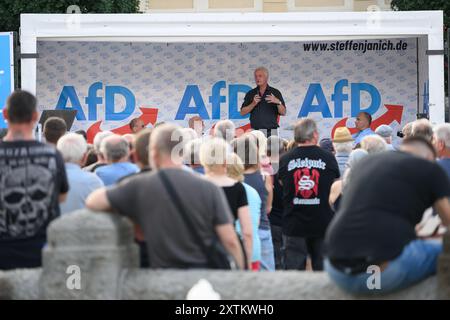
363	121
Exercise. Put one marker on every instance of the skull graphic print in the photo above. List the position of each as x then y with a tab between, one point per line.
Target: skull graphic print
26	196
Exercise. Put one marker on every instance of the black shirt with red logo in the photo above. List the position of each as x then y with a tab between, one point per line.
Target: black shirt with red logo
307	174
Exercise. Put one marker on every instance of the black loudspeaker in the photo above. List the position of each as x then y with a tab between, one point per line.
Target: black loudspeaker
67	115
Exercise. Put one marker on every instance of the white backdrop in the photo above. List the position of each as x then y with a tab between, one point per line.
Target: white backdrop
158	75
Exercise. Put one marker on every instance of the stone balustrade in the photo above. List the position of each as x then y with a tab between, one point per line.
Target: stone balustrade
99	248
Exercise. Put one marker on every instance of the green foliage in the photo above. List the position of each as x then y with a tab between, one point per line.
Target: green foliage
417	5
10	10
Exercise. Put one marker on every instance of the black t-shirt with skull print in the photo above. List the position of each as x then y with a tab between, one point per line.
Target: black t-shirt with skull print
307	174
32	176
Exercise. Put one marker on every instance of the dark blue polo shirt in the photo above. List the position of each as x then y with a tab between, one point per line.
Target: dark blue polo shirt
265	114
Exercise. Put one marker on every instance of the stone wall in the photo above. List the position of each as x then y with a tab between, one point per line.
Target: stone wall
101	246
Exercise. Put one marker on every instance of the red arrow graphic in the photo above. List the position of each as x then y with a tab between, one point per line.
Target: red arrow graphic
394	113
149	115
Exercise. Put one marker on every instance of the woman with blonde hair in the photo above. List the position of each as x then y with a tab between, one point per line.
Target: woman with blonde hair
213	156
235	170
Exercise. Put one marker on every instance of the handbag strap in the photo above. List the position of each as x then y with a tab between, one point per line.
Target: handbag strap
182	210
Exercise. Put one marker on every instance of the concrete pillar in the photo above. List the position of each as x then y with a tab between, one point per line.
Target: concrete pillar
443	273
87	256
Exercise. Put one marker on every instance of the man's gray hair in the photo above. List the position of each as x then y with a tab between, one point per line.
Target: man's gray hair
225	129
407	130
73	147
99	138
304	130
373	144
115	148
263	69
422	128
384	131
442	133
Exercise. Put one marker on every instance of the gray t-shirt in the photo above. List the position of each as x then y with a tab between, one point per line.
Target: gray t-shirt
170	242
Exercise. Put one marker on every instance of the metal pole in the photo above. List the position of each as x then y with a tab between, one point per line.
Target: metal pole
448	76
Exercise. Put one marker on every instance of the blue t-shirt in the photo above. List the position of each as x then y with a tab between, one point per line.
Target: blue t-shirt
254	205
112	173
445	164
256	181
81	184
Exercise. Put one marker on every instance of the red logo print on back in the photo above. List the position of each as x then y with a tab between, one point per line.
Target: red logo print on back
306	182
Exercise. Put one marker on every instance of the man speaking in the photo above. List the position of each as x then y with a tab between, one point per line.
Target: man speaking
264	104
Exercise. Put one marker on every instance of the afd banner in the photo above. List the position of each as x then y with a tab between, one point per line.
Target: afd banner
110	83
6	70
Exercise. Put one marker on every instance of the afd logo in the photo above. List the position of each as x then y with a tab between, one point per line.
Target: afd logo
69	96
193	102
315	100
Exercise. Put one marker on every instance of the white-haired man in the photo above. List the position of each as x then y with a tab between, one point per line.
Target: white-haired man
73	148
385	132
264	103
101	161
373	144
116	151
441	143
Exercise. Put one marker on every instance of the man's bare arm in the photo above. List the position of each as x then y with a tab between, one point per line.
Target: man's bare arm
247	109
98	201
442	206
62	197
280	106
281	109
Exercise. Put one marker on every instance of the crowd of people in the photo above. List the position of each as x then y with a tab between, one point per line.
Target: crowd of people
340	204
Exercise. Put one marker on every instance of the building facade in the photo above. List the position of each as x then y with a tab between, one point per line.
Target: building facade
262	5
